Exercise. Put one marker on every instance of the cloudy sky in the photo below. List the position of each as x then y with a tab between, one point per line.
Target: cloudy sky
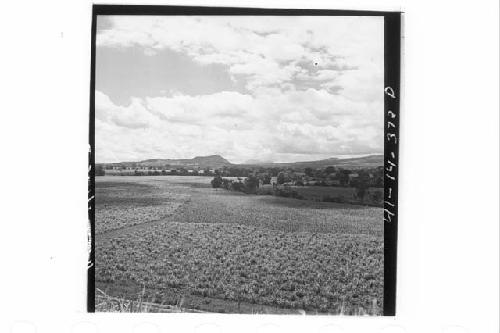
269	88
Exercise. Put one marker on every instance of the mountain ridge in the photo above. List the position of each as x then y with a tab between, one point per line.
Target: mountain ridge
217	161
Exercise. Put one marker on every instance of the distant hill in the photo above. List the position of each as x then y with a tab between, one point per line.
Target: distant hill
366	161
217	161
211	161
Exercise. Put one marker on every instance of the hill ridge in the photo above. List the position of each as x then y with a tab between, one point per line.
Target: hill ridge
217	161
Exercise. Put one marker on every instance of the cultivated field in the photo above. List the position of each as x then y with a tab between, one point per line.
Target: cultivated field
176	241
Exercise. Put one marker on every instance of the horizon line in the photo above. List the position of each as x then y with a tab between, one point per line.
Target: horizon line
340	157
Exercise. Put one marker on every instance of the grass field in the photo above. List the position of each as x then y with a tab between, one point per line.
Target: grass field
176	240
348	194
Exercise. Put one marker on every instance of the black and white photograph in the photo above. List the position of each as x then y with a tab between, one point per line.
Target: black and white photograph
250	166
239	164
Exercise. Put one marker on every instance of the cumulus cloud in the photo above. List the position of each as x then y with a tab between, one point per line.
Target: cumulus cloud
314	89
278	127
268	50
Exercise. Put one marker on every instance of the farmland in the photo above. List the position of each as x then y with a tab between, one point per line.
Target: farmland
347	194
176	239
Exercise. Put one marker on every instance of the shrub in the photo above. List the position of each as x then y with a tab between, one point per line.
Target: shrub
226	183
238	186
216	182
251	184
287	193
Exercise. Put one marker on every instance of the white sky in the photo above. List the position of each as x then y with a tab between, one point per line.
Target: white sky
267	88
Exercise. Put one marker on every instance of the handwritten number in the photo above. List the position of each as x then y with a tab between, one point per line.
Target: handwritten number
388	215
389	91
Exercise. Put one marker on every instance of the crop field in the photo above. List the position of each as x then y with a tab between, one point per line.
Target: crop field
176	240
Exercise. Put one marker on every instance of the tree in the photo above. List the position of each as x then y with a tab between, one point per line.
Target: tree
266	179
362	185
318	173
274	172
281	178
226	183
234	172
251	184
237	186
216	182
329	170
344	177
309	172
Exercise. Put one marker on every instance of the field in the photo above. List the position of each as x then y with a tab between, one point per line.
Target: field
347	194
176	241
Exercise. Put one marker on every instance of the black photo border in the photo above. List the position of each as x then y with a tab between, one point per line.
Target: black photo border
392	64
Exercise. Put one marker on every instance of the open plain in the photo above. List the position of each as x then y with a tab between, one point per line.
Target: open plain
174	240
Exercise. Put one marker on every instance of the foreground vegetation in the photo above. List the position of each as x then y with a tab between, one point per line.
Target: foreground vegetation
107	303
229	252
